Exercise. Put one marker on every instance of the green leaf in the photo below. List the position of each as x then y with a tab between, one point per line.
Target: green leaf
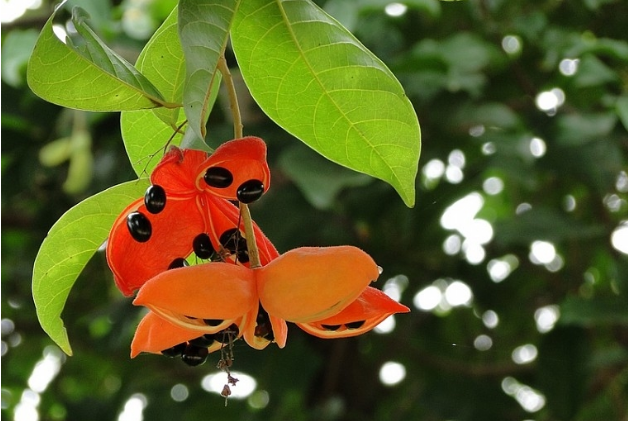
317	81
162	62
318	179
204	31
17	47
91	77
621	106
71	242
146	132
596	311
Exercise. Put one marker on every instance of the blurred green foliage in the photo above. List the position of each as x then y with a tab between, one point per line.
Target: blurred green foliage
475	72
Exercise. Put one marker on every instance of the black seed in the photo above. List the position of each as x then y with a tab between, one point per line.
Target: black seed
202	246
175	351
234	243
155	199
331	327
179	262
194	355
250	191
203	341
263	328
218	177
212	322
355	325
225	335
139	226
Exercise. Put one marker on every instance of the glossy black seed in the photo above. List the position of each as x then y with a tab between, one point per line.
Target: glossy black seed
155	199
263	328
331	327
218	177
355	325
194	355
175	351
203	341
212	322
234	243
179	262
250	191
139	226
202	246
225	335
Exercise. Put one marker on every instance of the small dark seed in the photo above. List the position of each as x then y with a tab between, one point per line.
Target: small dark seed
155	199
203	341
175	351
194	355
331	327
179	262
250	191
218	177
139	226
202	246
355	325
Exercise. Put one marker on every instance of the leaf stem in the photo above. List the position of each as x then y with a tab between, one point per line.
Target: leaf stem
249	233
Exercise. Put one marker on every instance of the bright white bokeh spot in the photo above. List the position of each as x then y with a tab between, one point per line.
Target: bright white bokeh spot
569	203
434	169
215	383
479	231
134	408
537	147
613	202
7	326
483	343
392	373
456	158
621	184
511	44
546	317
458	293
386	326
11	10
462	212
530	400
179	392
490	319
474	253
45	370
524	354
549	101
396	9
522	208
500	269
428	298
542	252
60	32
452	244
493	185
477	131
26	409
619	238
568	66
556	264
454	174
394	286
488	148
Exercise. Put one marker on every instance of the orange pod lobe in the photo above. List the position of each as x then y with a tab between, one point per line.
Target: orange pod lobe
311	283
362	315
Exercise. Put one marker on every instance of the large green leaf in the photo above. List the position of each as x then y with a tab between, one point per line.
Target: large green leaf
204	31
71	242
145	132
318	82
90	77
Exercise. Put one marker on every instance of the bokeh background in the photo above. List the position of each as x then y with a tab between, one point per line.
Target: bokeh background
514	259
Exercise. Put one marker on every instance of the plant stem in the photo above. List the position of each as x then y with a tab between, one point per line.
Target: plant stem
251	244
